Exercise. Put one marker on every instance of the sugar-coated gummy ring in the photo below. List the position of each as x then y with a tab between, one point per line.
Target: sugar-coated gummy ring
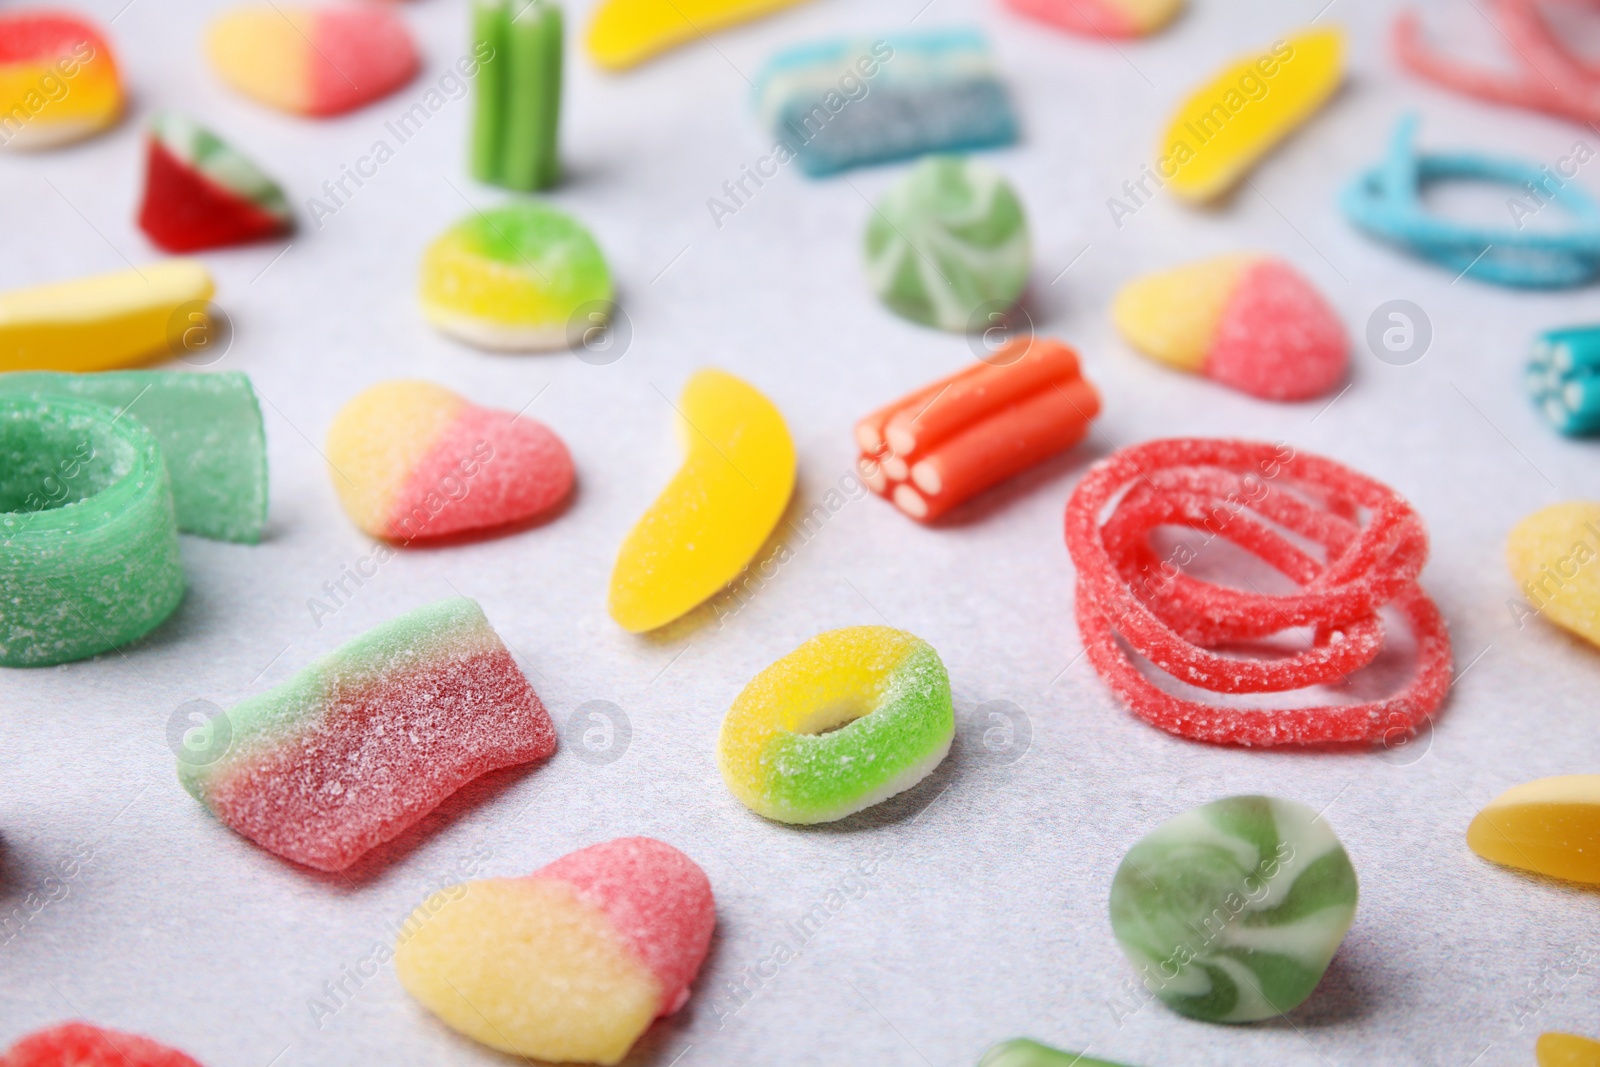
88	542
848	719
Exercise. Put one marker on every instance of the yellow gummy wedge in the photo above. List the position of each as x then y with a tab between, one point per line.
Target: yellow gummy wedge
625	33
1554	554
265	54
1551	826
109	320
715	513
1226	126
1567	1050
1148	16
1172	317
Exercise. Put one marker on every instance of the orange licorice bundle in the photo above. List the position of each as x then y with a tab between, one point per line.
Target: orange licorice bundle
950	440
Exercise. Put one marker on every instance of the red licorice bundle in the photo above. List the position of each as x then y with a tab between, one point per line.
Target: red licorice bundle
1255	496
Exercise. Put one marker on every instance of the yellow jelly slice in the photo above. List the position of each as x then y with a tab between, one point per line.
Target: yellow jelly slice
1551	826
628	32
40	107
526	966
1172	317
378	438
1147	16
1554	554
109	320
265	54
1236	118
717	510
1567	1050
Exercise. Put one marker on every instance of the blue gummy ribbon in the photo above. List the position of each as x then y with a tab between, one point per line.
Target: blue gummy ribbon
1386	202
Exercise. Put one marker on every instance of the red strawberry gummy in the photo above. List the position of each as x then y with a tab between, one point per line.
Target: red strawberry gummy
82	1045
199	193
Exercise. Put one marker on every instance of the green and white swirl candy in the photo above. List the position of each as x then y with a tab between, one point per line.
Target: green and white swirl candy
1232	911
948	245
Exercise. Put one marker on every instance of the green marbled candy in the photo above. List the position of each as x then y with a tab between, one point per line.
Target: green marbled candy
948	245
1020	1052
1232	911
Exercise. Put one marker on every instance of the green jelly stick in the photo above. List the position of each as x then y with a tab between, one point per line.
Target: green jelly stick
489	39
515	130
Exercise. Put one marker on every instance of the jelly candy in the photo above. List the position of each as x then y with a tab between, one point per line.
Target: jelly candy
1020	1052
58	79
948	245
514	278
1552	555
517	114
312	61
1567	1050
1245	492
950	440
359	746
1386	202
847	103
1551	826
88	544
414	462
210	432
847	720
100	322
571	963
1102	18
1227	125
1251	322
625	33
1232	911
715	513
82	1045
199	193
1564	379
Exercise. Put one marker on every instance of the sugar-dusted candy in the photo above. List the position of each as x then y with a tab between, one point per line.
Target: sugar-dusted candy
517	107
199	193
413	461
716	512
1566	1050
88	542
1021	1052
569	964
625	33
943	444
515	278
1102	18
1130	596
845	721
1249	321
58	79
1554	556
948	245
210	431
77	1044
1225	127
315	61
99	322
359	746
1563	379
1232	911
856	101
1551	827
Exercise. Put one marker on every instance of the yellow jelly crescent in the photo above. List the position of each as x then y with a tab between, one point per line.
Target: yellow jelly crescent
1554	554
1551	826
625	33
1566	1050
715	513
1229	123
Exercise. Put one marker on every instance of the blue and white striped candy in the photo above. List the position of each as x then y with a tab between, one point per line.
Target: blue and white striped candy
1564	379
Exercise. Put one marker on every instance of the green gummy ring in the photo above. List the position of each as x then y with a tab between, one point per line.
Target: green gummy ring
88	542
848	719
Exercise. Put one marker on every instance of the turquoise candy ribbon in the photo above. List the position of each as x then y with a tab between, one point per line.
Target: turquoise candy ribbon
1564	379
1386	202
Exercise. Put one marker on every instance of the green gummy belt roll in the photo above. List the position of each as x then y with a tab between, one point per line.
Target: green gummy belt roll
517	118
88	539
210	432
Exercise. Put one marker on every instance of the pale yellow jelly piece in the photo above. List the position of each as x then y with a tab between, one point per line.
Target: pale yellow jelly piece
1567	1050
1551	826
627	32
1172	317
265	53
97	323
1226	126
717	510
1147	16
1554	555
377	440
526	966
